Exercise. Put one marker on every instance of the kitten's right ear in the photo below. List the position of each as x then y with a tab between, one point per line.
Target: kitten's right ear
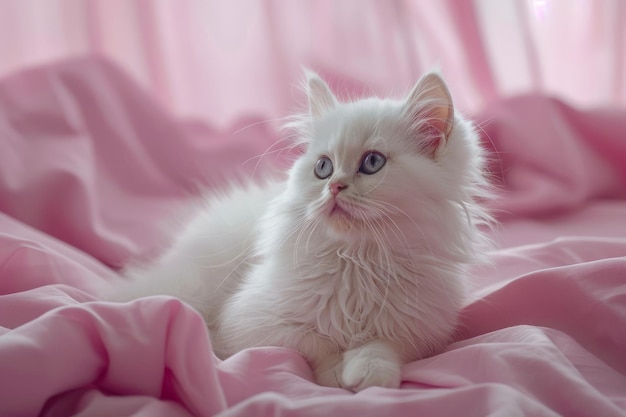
321	99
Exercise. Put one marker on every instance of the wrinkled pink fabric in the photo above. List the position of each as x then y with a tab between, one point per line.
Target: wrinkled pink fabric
91	170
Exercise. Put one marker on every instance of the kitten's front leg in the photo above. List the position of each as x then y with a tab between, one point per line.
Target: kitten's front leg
373	364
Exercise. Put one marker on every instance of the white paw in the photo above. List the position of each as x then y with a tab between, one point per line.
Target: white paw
361	371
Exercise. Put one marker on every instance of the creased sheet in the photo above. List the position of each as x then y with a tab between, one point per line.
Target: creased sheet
93	174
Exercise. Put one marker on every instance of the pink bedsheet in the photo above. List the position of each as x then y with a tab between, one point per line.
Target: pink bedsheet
91	168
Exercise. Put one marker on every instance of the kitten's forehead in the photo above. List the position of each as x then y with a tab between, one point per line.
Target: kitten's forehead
356	127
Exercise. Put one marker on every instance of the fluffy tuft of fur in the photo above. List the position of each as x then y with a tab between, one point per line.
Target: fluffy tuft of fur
360	271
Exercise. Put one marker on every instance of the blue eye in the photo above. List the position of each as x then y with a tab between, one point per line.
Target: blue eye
323	168
372	163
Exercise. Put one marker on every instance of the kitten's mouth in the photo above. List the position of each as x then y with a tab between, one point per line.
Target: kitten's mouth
339	218
344	218
337	210
343	214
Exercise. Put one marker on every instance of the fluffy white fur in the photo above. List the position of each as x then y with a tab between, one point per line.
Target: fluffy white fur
359	290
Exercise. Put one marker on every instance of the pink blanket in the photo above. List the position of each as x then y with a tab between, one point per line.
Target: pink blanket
91	167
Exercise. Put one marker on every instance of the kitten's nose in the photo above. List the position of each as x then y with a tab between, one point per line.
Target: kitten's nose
336	187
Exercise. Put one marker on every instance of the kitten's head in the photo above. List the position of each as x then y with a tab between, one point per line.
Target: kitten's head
385	169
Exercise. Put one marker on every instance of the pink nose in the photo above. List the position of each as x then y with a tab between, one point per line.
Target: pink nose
336	187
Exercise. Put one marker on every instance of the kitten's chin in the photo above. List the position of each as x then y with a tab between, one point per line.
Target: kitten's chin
342	224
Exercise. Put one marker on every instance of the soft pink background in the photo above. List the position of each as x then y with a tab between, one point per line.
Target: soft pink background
218	60
97	158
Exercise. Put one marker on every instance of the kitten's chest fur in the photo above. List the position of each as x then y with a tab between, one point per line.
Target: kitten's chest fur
317	294
352	294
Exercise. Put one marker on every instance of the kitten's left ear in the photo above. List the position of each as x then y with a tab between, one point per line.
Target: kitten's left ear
321	99
431	111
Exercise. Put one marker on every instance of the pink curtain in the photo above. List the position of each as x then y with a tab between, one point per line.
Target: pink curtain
220	60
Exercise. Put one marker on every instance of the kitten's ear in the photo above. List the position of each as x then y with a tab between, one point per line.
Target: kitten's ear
430	109
321	99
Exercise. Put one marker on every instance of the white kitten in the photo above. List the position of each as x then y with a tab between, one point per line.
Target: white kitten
357	260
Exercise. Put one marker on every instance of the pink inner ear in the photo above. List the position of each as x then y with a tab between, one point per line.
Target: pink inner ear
435	125
432	139
431	107
439	118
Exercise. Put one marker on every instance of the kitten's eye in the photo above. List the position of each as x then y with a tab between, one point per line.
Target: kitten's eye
372	163
323	168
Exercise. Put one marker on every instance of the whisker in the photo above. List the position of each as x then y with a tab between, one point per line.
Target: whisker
260	122
269	151
245	258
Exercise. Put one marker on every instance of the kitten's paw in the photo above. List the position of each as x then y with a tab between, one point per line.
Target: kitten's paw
362	370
